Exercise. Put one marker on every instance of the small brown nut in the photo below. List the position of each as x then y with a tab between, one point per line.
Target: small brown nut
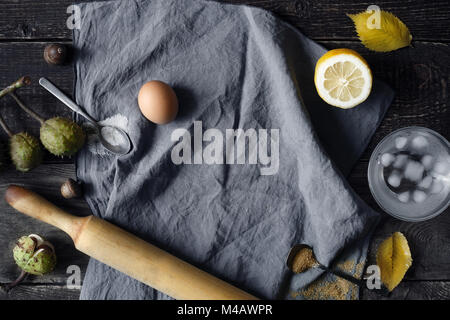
71	189
55	53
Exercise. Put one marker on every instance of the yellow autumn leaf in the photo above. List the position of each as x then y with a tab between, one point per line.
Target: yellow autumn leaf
381	30
394	259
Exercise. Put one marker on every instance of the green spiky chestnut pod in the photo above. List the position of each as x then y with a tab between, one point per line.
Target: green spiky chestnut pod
62	136
25	151
34	255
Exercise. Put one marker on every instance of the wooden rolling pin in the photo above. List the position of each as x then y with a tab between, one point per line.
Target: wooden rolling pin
127	253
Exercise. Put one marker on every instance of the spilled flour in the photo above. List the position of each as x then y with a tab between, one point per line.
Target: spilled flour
93	142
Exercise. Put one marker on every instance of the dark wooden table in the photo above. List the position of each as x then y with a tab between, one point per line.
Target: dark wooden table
419	75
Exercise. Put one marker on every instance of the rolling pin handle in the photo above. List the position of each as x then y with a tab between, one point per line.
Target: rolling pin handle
37	207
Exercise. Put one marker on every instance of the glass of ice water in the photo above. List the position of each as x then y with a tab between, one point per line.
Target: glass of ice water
409	174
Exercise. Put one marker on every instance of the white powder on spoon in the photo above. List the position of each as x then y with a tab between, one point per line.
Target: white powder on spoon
110	135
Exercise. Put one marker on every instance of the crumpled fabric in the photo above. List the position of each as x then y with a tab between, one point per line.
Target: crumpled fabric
231	67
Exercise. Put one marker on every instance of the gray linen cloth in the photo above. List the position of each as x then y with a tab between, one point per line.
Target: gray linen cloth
231	67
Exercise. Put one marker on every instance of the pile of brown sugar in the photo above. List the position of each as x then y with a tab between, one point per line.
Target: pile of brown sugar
304	260
335	289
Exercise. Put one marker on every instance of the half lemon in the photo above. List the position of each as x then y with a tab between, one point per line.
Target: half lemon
343	78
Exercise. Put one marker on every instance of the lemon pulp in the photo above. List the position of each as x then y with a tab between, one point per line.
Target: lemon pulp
343	81
343	78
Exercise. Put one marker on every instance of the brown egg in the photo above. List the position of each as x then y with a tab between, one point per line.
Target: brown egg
158	102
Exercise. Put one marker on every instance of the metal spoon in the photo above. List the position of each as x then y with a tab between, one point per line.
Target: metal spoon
120	146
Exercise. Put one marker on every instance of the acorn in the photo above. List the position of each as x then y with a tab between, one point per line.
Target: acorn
71	189
55	54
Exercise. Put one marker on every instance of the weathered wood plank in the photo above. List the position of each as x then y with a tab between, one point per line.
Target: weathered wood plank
429	242
45	179
19	59
318	19
326	19
14	225
41	292
414	290
34	19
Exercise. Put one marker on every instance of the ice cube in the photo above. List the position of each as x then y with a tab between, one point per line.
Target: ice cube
427	161
419	142
442	167
400	161
437	186
426	182
387	159
414	171
395	179
419	196
404	197
401	142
